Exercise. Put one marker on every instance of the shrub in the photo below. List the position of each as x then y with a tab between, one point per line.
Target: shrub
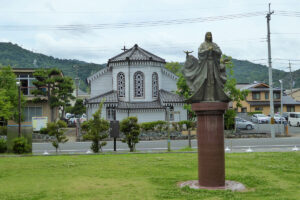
57	130
96	130
3	130
3	146
229	116
131	130
255	112
20	145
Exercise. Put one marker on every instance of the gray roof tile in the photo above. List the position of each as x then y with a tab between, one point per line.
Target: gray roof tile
136	53
169	97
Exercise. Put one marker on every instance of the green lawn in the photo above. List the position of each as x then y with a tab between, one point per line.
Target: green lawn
145	176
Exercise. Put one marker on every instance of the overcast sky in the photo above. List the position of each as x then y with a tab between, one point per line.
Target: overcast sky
94	30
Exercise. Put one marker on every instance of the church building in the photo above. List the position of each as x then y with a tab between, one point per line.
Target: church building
136	83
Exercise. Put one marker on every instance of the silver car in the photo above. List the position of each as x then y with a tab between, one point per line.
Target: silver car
243	124
260	118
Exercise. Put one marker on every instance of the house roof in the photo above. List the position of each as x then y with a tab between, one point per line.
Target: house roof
136	53
256	86
288	100
111	97
169	97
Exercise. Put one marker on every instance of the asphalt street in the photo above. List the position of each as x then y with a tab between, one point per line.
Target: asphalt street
233	145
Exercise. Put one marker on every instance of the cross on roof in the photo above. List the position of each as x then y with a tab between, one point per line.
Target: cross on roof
124	48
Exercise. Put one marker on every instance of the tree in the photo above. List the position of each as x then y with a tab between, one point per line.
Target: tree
57	130
78	108
131	129
96	130
9	96
174	67
234	93
51	84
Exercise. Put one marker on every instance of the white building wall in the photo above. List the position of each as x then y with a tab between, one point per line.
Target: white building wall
93	108
168	83
148	116
147	70
182	113
102	84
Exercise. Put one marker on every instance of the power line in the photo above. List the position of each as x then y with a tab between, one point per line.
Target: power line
129	24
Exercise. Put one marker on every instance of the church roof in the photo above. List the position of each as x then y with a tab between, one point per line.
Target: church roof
111	97
139	105
136	53
169	97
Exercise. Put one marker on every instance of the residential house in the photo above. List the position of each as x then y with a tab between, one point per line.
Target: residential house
31	109
258	99
294	93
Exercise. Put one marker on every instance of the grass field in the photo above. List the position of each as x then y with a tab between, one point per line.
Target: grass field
145	176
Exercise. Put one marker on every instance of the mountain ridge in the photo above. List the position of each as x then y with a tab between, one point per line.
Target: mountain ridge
18	57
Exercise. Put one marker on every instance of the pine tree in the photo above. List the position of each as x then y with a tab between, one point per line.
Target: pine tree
57	89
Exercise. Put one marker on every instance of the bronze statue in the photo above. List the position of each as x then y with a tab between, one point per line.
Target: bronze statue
206	77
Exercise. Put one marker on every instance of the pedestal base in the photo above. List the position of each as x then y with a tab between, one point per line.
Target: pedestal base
229	185
210	138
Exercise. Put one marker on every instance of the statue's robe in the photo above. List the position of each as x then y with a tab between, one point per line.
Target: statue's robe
206	77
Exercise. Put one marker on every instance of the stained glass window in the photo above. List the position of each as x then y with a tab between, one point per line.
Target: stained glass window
155	85
138	84
121	84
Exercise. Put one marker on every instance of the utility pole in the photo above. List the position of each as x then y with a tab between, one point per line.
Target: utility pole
76	79
270	73
291	78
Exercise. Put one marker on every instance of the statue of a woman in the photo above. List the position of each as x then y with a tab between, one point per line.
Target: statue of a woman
206	77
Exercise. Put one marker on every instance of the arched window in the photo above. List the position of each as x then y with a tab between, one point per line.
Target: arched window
155	85
138	84
121	84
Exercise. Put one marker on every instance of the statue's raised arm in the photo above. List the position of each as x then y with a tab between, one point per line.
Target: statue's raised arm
206	77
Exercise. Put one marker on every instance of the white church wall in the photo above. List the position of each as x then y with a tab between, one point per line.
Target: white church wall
147	70
168	83
115	71
149	116
102	84
93	108
182	113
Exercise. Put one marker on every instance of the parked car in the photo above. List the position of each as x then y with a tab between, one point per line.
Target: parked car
279	119
294	118
260	118
243	124
286	115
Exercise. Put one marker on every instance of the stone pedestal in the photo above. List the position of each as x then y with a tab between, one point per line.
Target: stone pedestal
210	137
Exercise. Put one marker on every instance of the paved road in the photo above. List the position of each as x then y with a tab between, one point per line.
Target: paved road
236	145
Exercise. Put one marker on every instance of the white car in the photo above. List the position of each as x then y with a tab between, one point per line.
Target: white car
279	119
243	124
294	118
260	118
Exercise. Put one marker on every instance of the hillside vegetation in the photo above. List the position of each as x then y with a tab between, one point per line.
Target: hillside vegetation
15	56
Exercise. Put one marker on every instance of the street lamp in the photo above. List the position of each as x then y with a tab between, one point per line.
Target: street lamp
19	107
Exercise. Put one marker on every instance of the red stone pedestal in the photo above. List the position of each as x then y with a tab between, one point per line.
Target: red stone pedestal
210	136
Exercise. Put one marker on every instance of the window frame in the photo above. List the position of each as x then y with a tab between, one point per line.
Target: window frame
142	85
